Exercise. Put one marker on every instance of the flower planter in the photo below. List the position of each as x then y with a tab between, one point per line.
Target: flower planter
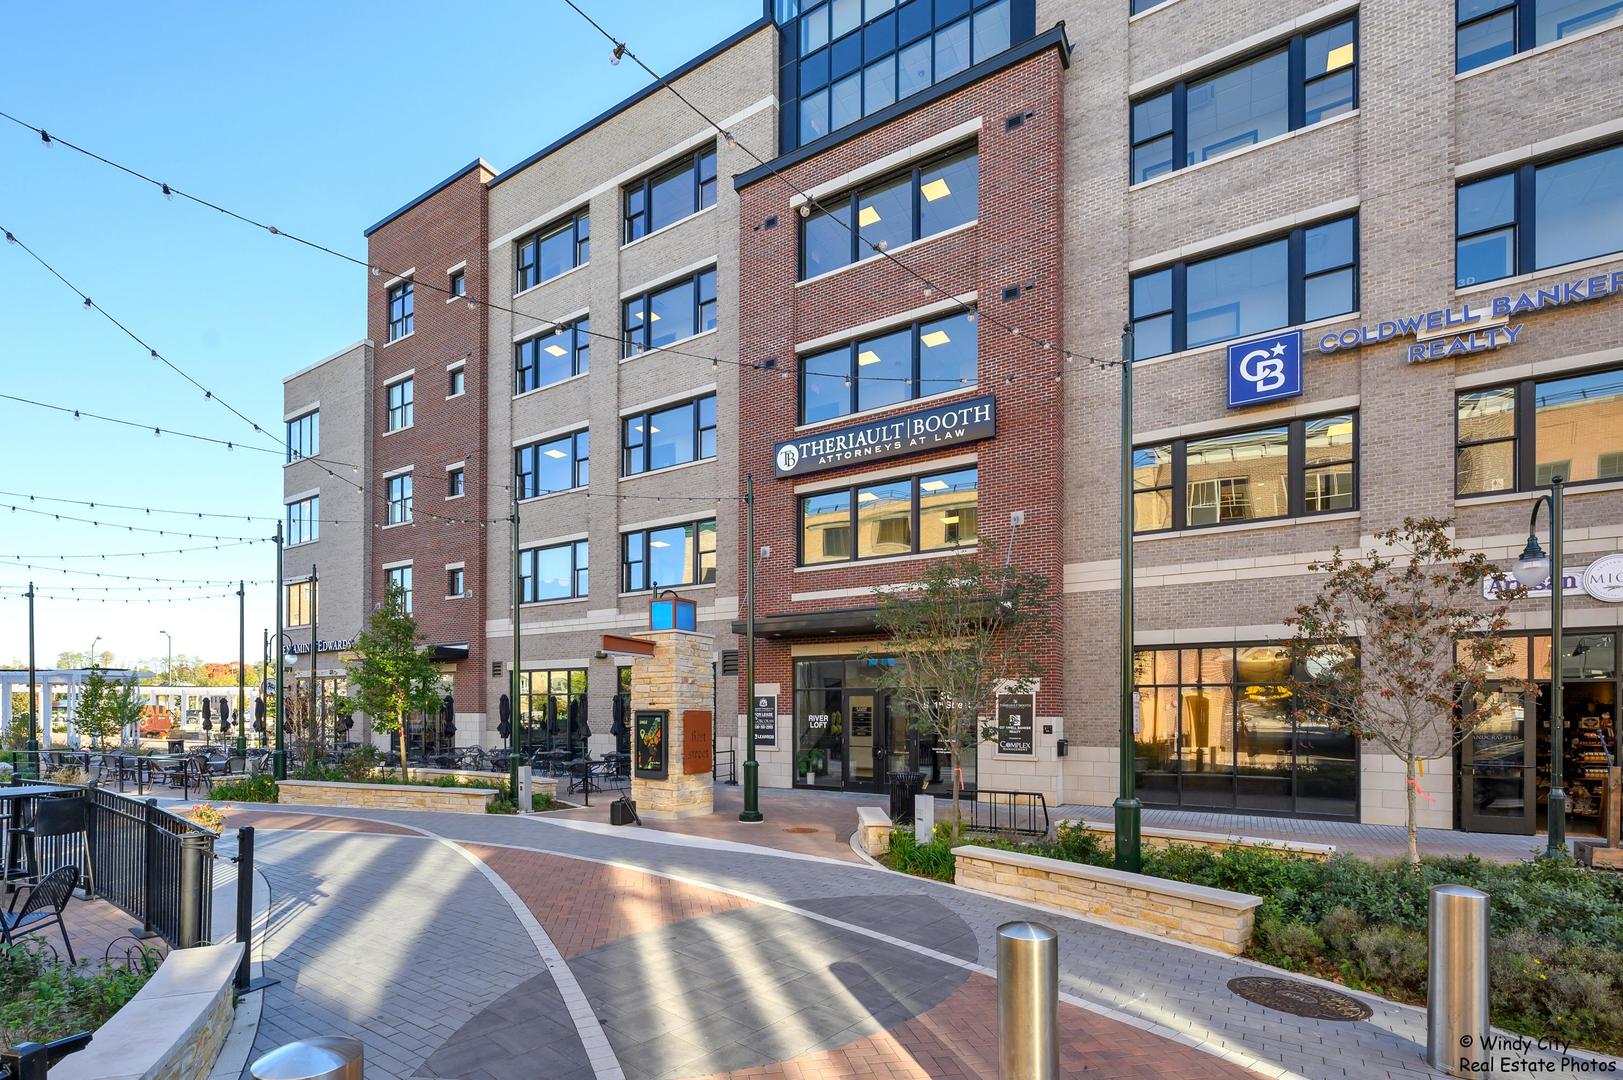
384	796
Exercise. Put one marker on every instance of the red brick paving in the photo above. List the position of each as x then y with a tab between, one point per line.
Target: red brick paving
583	905
804	822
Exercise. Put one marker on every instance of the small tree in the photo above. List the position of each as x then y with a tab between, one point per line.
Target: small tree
391	674
1399	648
965	631
125	709
95	716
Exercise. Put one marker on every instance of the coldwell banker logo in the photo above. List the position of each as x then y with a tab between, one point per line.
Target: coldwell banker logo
1265	369
892	436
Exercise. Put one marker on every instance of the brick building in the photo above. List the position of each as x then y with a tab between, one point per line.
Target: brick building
1365	175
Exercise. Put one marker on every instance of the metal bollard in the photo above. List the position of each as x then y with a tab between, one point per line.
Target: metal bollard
1027	1002
330	1057
1457	981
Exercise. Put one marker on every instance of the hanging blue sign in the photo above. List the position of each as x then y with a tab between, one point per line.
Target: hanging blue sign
1265	369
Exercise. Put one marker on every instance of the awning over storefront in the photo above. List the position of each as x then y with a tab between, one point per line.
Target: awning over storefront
455	651
812	624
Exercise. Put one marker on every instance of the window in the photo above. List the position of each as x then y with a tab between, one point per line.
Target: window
1539	216
1191	122
401	307
455	581
1295	469
557	572
891	212
668	556
548	252
673	435
304	520
304	436
673	193
669	314
1144	5
459	283
893	517
855	58
1308	274
553	357
399	577
400	407
558	464
303	602
1489	30
1517	437
916	361
552	711
456	381
399	499
455	482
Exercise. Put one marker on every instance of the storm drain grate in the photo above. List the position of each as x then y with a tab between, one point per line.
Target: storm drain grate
1299	998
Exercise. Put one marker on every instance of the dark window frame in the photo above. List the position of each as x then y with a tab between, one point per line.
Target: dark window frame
1297	85
846	204
850	491
401	414
527	249
401	309
456	482
458	284
400	494
308	594
456	380
304	436
1297	468
1297	273
1524	433
406	578
579	347
456	582
634	341
580	463
644	446
701	163
853	376
308	520
580	562
1524	29
693	569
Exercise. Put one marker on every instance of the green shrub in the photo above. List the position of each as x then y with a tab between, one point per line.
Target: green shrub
1338	927
1286	944
259	788
932	860
1076	843
41	999
1391	958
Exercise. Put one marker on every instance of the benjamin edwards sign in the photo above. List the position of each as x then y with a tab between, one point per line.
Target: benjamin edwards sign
892	436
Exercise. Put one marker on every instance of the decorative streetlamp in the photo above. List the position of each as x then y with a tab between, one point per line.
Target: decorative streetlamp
1533	569
1128	808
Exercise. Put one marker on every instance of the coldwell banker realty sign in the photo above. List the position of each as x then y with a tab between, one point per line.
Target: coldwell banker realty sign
892	436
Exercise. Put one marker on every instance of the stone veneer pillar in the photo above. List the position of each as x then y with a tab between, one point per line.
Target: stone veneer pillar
678	680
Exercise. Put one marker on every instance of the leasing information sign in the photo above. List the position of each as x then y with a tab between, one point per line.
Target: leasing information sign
890	436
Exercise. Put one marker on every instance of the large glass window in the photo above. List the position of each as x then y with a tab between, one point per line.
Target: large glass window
855	58
1299	468
888	213
552	357
303	602
1191	122
549	251
553	465
894	517
304	520
668	556
1309	273
557	572
402	310
673	435
671	194
1539	216
400	405
552	711
669	314
399	499
1489	30
399	577
304	436
1219	730
926	358
1518	437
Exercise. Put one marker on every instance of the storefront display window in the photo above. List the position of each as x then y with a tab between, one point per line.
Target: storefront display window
552	713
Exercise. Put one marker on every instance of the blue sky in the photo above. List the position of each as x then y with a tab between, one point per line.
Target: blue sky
318	118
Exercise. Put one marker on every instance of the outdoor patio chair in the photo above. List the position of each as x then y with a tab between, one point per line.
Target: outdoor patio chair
43	907
236	766
128	768
54	818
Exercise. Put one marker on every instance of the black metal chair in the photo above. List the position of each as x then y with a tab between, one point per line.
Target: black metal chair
54	818
43	907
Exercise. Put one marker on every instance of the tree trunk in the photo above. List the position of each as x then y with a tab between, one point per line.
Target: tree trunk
1413	788
957	814
400	726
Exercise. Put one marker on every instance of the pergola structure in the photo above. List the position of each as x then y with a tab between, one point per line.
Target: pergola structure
13	680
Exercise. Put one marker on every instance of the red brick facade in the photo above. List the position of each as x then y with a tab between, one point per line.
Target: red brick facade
1015	242
446	228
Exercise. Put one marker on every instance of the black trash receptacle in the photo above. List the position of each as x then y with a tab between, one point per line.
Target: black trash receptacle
903	786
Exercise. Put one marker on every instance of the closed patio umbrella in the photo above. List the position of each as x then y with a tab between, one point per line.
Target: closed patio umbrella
618	728
505	710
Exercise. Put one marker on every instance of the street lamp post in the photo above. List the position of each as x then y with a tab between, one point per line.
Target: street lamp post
1532	569
279	755
169	664
1127	805
752	769
91	660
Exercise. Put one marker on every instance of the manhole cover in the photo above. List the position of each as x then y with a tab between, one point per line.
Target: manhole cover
800	829
1299	998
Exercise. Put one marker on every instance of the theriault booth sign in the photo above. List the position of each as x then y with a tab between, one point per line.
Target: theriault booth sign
888	437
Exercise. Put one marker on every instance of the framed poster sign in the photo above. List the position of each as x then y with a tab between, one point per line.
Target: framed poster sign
765	718
1014	720
652	740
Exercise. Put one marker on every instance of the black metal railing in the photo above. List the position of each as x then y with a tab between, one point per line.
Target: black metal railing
32	1060
724	767
42	764
1022	813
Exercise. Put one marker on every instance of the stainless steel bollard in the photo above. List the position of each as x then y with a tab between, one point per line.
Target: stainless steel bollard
330	1057
1457	981
1027	1002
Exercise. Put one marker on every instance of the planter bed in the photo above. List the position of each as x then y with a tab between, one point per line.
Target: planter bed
1153	837
539	785
458	800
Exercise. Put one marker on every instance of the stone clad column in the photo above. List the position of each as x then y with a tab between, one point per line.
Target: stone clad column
677	681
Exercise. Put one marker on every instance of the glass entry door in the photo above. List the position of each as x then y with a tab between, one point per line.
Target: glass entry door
1498	771
866	741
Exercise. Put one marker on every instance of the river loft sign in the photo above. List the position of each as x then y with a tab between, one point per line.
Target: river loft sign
891	436
1479	325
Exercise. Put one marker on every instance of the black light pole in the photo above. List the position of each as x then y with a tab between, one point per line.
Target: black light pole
1530	570
279	755
1127	804
314	689
33	686
512	675
242	669
264	685
752	790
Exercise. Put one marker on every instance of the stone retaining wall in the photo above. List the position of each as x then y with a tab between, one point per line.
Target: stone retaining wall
384	796
1150	836
540	785
1215	918
874	827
